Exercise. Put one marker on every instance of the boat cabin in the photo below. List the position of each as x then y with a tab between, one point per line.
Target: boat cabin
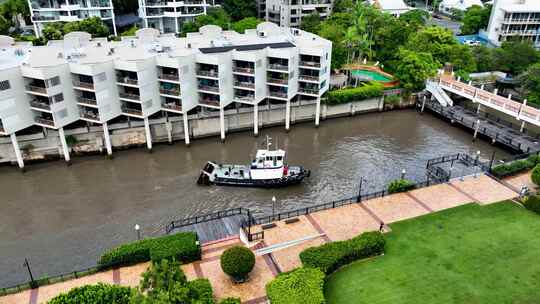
268	159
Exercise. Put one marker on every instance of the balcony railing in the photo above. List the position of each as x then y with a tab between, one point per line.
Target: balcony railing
129	96
83	84
171	92
90	115
36	89
127	80
87	101
244	70
245	97
173	77
308	91
208	88
308	77
210	102
172	106
45	18
2	130
40	105
244	84
131	111
44	121
207	73
277	81
277	66
313	64
277	94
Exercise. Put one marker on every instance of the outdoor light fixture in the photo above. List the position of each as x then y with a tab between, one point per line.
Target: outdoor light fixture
273	205
138	229
403	172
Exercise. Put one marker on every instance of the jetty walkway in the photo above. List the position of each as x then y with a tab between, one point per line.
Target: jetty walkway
316	228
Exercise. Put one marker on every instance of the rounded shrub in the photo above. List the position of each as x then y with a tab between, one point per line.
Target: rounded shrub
230	301
533	203
237	262
535	175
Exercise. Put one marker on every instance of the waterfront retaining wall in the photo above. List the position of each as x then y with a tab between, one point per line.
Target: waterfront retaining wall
46	144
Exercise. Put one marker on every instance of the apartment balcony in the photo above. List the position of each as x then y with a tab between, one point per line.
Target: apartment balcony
277	94
44	121
132	111
126	80
45	18
100	4
277	81
310	64
171	92
129	96
520	21
40	105
244	84
309	78
207	73
209	102
169	77
208	88
156	3
36	89
244	70
244	98
90	116
87	101
279	67
308	91
83	84
172	106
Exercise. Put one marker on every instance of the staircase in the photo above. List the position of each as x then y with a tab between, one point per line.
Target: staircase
439	94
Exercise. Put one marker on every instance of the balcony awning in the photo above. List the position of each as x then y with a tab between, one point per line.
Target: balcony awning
246	47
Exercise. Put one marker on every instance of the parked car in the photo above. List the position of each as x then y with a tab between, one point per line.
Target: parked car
471	42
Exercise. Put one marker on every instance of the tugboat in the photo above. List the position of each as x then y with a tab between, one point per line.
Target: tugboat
268	170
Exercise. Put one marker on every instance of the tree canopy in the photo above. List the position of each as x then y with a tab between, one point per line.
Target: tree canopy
92	25
247	23
475	19
514	57
531	83
240	9
311	23
414	69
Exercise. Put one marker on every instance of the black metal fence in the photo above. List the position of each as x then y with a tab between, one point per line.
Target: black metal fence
205	218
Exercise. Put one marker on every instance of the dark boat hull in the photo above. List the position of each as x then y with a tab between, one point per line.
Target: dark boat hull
263	183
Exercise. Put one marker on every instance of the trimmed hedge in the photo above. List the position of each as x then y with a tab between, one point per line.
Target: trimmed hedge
329	257
237	262
183	247
535	175
400	185
515	167
532	203
368	90
230	301
303	285
95	294
201	291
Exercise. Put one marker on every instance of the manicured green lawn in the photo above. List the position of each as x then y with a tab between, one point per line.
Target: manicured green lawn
470	254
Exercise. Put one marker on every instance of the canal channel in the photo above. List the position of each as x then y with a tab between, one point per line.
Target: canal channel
61	218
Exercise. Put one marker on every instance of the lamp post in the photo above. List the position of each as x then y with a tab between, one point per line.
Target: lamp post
359	198
273	206
33	283
138	229
403	172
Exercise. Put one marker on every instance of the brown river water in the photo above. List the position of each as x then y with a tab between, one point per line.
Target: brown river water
61	218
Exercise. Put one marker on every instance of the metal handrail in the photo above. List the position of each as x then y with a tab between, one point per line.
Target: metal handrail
278	81
87	101
40	105
127	80
243	70
174	77
36	89
44	121
310	64
280	67
129	96
169	91
208	88
171	106
244	84
207	73
82	84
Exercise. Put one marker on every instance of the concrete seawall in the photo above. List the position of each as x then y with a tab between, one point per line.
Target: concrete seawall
46	145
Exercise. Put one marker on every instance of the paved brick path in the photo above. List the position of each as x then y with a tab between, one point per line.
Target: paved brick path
333	224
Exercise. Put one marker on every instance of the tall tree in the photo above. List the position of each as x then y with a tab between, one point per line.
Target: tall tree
475	19
531	83
414	68
246	23
483	56
240	9
125	6
416	18
311	23
435	40
514	57
333	29
343	6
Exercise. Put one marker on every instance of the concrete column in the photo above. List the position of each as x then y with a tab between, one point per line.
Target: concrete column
148	134
186	129
423	103
317	111
476	129
107	139
65	148
256	119
113	22
522	127
168	127
324	110
222	123
288	115
17	150
478	109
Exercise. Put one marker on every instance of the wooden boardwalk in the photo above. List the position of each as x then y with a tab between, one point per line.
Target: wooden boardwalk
215	229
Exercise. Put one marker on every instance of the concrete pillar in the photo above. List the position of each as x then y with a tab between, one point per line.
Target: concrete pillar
317	111
148	134
168	127
186	129
423	103
222	123
478	109
65	148
476	129
522	127
495	91
17	150
107	139
256	119
113	22
288	115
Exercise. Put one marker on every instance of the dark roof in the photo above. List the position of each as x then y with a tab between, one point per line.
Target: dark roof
125	20
246	47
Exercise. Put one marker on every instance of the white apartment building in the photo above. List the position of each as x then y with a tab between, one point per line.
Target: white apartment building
514	19
289	13
94	80
46	11
392	7
167	16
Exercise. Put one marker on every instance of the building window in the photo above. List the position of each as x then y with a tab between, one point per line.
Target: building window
54	81
58	97
4	85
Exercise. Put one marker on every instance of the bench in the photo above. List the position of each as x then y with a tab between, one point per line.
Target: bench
292	220
268	226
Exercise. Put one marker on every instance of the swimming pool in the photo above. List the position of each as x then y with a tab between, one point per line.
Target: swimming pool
371	75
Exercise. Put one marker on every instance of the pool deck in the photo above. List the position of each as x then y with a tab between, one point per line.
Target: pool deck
328	225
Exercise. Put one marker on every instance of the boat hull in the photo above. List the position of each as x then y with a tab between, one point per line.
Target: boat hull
262	183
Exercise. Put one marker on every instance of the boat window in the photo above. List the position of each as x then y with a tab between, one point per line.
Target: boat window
280	158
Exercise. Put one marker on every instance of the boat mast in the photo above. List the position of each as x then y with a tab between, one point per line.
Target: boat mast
268	143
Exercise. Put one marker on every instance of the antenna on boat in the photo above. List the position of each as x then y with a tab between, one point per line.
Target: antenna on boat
268	143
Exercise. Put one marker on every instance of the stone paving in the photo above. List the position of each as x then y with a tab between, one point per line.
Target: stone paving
328	225
520	180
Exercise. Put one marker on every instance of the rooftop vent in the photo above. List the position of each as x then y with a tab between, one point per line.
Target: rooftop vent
99	44
189	45
132	43
60	56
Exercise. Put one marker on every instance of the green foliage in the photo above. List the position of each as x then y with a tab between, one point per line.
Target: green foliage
311	23
331	256
530	81
456	14
230	301
4	26
343	6
366	91
415	17
475	19
71	140
400	185
392	99
414	68
535	175
162	276
515	167
484	58
122	7
333	29
93	25
515	57
183	247
237	262
240	9
532	203
434	40
130	31
247	23
303	285
95	294
216	16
